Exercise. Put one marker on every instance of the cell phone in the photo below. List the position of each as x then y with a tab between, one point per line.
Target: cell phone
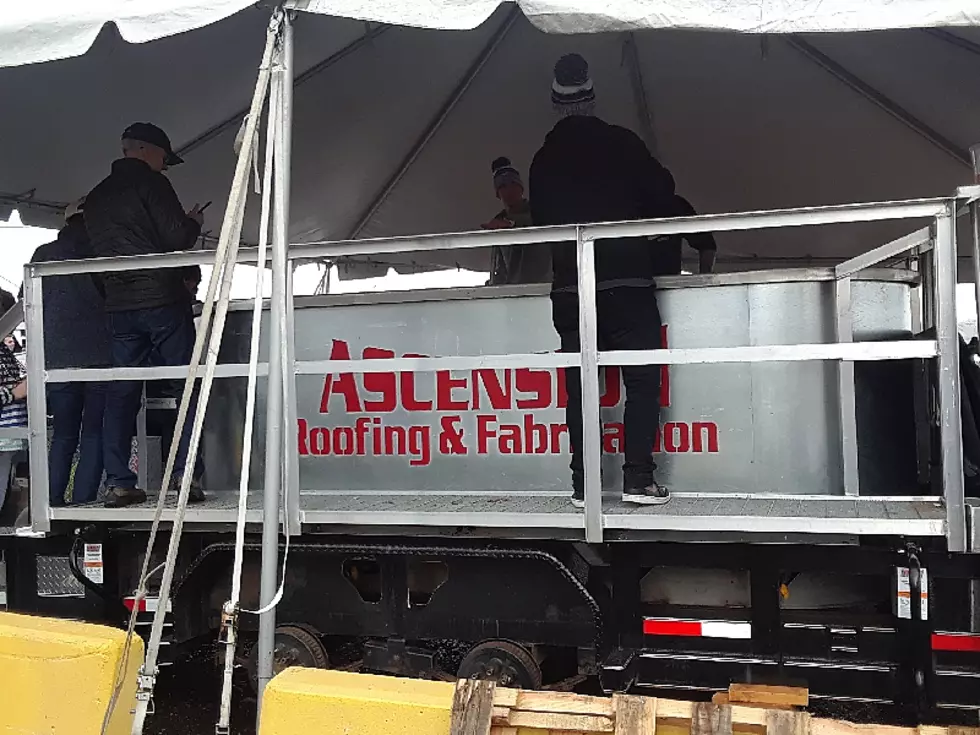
204	207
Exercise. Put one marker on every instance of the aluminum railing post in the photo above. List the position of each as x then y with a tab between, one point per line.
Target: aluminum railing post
947	337
37	408
589	374
847	403
291	517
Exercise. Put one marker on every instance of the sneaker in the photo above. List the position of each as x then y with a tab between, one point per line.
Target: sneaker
120	497
652	494
196	493
578	490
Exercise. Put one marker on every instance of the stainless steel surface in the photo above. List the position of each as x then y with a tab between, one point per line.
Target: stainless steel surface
142	445
973	525
591	418
747	514
54	578
911	243
847	401
37	410
741	427
291	448
805	216
950	423
871	94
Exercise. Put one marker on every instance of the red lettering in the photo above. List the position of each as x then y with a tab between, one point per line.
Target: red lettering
557	431
677	437
510	439
485	431
319	441
302	427
705	430
343	385
501	397
344	441
409	402
420	446
534	382
612	393
445	385
383	383
535	436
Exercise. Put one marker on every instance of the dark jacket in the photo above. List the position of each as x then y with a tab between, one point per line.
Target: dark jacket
591	171
135	211
667	255
76	333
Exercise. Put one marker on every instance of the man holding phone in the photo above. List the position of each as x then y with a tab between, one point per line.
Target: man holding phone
135	211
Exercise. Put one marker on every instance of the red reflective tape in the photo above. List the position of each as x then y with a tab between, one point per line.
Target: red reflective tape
689	628
955	642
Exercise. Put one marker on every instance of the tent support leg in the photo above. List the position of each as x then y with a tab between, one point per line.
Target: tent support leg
887	104
632	59
441	116
275	413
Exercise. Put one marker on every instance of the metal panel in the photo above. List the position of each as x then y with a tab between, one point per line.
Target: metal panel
718	438
37	410
54	578
591	419
805	216
847	402
950	420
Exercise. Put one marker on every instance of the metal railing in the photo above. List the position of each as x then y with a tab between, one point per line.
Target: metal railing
940	287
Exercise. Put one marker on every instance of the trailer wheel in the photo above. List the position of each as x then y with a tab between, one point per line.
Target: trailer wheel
295	646
504	662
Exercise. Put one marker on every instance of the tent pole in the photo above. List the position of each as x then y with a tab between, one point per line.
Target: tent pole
234	120
632	58
871	94
269	575
464	84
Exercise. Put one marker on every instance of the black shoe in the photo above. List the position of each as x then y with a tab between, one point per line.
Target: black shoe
196	494
578	489
120	497
651	494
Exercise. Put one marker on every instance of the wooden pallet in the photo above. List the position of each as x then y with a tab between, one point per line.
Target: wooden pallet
481	708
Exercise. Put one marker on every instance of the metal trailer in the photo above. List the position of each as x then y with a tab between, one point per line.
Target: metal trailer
819	531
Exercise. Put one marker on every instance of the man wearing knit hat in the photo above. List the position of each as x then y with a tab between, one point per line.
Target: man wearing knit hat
513	264
591	171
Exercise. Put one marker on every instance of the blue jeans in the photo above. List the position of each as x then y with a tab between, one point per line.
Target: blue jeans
76	410
167	331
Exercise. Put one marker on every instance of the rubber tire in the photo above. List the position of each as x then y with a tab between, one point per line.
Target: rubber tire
306	647
514	665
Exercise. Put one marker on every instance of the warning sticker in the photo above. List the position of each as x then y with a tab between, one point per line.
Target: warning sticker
92	563
902	606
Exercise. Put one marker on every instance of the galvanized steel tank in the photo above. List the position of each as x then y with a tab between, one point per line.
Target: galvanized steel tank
763	427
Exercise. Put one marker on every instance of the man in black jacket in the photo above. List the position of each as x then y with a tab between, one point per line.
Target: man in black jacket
591	171
135	211
75	335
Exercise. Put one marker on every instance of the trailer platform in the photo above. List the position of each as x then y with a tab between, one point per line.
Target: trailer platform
492	514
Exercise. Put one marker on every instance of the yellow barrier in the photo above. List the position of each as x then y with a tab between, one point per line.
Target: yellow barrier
301	701
56	676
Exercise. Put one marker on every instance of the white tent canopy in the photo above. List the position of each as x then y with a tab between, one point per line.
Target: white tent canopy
395	127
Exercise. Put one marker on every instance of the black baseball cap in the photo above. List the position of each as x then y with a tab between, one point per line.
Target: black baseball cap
150	133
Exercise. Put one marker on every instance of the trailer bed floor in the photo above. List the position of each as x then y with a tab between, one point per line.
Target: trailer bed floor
686	512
